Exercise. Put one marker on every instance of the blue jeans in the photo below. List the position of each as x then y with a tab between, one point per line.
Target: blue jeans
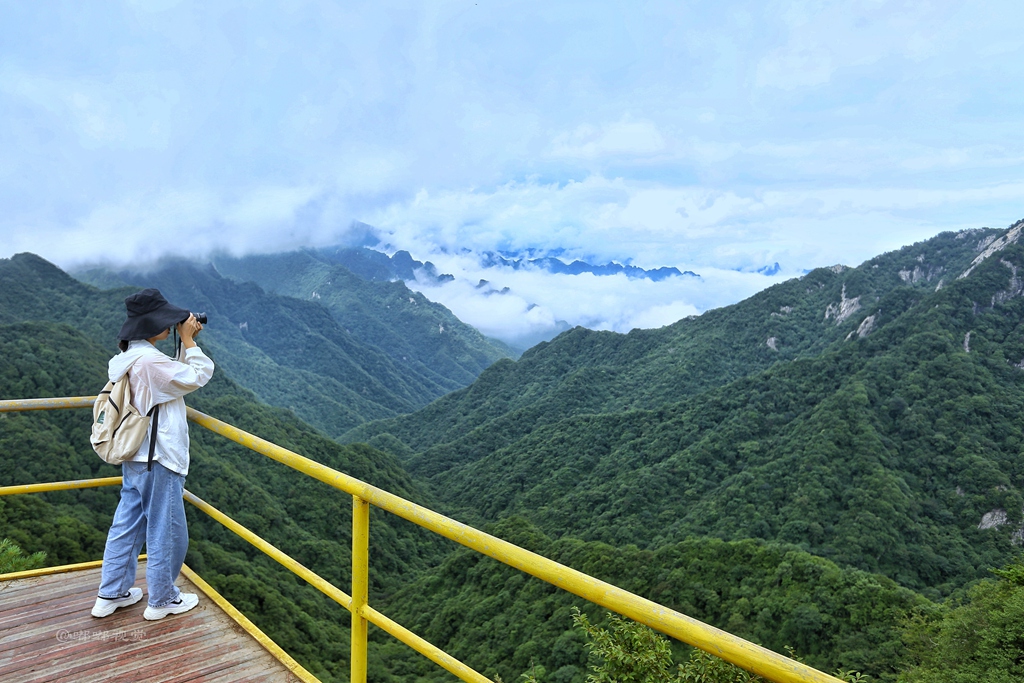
151	511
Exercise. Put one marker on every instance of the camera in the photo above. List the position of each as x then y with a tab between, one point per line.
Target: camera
201	317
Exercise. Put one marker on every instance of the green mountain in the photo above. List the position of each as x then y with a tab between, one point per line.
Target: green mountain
377	310
584	372
878	428
333	371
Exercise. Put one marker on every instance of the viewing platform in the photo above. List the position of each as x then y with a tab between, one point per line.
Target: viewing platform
47	634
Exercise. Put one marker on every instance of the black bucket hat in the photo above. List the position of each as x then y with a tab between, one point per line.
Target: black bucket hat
149	314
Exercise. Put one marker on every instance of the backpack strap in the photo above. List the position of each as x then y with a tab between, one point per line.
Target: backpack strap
155	412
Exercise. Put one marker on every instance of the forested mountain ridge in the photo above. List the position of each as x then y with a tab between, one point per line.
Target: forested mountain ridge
385	313
44	359
584	371
290	352
883	442
490	615
311	522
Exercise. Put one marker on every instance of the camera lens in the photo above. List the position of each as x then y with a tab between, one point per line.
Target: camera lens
201	317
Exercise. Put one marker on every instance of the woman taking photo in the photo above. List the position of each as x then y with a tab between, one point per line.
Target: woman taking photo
151	510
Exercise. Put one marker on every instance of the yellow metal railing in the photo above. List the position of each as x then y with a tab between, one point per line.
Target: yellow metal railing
743	653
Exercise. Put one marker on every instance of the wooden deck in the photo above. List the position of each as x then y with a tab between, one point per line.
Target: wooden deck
47	634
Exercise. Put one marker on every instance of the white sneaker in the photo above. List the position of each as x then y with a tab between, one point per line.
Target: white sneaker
184	603
105	607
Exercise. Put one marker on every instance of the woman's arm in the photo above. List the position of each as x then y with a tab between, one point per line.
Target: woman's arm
169	379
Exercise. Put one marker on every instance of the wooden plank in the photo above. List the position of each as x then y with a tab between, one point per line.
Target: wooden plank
158	667
48	634
98	651
47	586
247	672
18	600
208	662
84	645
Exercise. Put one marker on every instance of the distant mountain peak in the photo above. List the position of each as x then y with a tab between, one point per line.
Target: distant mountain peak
552	264
376	266
768	270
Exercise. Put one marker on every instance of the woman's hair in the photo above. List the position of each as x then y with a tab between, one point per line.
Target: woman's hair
123	344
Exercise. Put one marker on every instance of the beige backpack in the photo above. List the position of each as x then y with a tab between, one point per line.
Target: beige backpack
118	428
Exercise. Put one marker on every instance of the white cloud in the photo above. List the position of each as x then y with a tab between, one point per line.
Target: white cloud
656	225
791	68
823	37
635	138
665	314
537	301
182	223
710	231
268	209
130	110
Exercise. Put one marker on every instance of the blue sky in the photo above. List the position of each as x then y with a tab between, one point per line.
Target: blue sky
719	137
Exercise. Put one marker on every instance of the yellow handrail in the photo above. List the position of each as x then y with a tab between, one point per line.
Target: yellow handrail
745	654
58	486
19	404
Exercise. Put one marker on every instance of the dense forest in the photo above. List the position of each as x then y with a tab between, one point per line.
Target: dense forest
884	451
832	465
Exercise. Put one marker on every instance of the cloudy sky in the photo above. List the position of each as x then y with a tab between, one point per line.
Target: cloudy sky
718	137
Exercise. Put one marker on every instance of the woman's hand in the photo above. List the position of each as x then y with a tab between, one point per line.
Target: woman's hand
188	329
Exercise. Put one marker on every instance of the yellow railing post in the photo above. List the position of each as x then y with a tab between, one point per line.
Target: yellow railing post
360	584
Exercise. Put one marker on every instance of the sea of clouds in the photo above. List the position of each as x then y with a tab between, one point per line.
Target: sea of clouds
539	304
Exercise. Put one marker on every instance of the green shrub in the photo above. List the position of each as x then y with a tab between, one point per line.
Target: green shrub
13	559
981	639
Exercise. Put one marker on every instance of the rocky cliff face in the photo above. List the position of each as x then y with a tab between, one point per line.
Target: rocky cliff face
843	309
992	244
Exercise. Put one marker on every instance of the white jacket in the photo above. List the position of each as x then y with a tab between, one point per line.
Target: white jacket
157	379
